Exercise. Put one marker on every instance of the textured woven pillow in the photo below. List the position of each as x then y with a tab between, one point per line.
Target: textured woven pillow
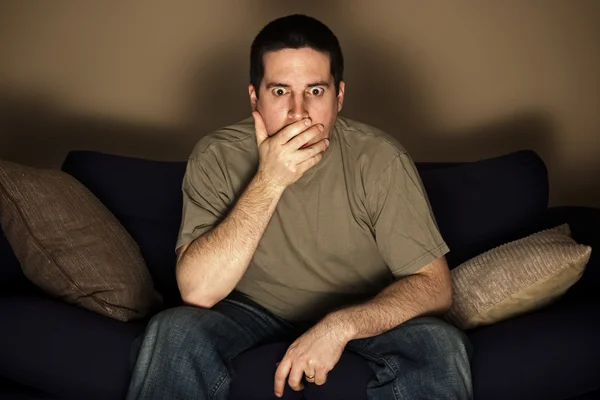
71	246
516	277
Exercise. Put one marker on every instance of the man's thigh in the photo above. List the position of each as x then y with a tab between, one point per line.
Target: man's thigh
189	351
422	357
231	326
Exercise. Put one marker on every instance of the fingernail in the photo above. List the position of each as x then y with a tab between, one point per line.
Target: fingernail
307	122
321	127
277	394
327	142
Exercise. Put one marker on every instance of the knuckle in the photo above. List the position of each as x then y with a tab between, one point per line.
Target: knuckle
280	377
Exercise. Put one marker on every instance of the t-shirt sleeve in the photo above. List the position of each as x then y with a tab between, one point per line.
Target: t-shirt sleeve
204	200
405	229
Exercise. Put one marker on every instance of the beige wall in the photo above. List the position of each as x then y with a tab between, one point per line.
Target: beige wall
464	79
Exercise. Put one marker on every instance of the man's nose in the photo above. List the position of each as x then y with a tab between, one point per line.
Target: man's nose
298	109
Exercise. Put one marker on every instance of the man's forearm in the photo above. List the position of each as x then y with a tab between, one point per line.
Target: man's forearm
413	296
213	264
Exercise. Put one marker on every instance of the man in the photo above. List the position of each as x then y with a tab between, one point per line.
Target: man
297	217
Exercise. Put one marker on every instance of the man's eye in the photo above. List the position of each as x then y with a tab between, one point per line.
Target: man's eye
316	91
278	92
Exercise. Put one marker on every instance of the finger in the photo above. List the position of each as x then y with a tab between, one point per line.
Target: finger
295	379
311	151
309	372
281	375
301	139
292	130
320	377
311	162
259	127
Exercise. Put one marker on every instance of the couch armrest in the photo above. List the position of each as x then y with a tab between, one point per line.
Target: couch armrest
585	226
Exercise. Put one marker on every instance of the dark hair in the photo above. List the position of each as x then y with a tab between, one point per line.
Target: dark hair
295	32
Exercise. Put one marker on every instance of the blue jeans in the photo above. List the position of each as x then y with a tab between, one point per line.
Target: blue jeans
187	353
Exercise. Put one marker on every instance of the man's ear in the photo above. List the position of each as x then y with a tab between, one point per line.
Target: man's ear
340	96
253	96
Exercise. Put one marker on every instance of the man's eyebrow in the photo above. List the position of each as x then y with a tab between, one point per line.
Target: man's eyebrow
271	85
277	84
320	83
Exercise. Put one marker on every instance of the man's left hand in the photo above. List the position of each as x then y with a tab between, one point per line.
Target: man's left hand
313	354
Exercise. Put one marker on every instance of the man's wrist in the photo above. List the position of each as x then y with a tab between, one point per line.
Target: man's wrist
340	322
266	186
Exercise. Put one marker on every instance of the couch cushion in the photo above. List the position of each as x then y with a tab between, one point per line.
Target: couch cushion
70	245
483	204
549	354
516	277
65	350
146	197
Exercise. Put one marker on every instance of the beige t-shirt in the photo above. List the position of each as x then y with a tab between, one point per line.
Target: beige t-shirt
350	226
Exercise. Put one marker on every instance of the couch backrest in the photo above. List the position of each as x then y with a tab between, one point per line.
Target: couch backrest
478	205
482	204
146	197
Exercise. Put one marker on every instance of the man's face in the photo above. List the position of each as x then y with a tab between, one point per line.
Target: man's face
297	83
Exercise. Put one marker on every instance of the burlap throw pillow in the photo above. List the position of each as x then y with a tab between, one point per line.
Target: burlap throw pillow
516	278
71	246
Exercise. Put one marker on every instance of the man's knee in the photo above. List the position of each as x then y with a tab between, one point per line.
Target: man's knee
432	340
175	324
445	346
445	350
452	339
433	330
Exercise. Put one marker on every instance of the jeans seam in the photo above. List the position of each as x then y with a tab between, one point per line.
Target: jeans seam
219	384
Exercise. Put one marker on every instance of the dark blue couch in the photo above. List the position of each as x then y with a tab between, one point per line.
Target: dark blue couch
51	350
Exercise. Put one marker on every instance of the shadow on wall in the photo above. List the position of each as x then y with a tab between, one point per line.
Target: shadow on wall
215	95
386	95
36	132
